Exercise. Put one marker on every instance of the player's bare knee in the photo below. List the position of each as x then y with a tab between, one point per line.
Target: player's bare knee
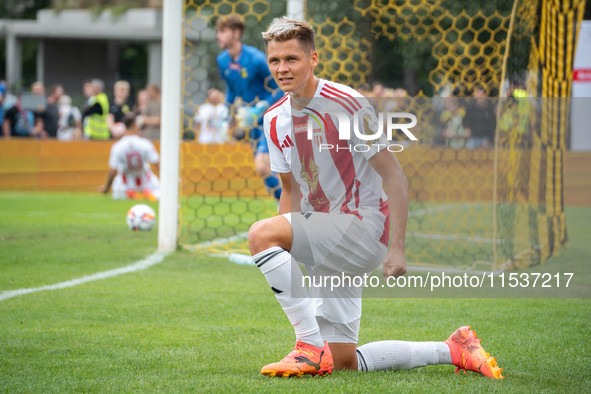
253	238
267	233
260	236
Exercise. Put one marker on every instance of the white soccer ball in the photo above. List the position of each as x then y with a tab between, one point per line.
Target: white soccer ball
141	218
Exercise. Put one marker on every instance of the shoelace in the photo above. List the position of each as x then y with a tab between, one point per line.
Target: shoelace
299	347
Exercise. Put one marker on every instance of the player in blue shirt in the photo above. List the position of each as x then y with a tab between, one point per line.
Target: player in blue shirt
247	76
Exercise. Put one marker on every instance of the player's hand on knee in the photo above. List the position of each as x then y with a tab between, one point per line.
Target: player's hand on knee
394	264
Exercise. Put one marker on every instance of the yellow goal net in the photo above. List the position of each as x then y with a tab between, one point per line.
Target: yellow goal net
470	209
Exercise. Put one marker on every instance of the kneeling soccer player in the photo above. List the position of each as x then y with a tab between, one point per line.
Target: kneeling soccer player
343	224
130	160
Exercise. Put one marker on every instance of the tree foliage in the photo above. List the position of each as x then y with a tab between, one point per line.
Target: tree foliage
22	9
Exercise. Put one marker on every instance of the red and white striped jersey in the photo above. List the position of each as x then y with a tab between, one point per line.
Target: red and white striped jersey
130	157
337	179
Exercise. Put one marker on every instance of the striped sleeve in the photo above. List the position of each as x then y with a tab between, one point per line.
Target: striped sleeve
276	156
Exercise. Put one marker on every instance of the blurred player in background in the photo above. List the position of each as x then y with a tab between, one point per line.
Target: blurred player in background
247	76
340	226
130	160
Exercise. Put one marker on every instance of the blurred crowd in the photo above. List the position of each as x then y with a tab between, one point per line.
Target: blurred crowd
463	122
42	112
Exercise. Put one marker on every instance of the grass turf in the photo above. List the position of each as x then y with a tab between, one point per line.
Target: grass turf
201	324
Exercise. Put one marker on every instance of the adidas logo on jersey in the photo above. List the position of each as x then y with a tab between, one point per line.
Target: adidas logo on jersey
287	143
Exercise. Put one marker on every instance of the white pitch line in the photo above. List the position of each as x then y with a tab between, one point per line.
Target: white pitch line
149	261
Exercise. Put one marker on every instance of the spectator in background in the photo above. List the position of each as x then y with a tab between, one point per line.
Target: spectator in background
363	89
121	105
19	122
151	114
70	121
378	90
451	121
480	121
209	117
400	101
38	89
36	102
50	115
9	100
95	116
140	104
380	98
516	87
87	92
2	96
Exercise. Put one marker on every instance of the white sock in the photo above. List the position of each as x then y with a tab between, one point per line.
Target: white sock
276	264
396	355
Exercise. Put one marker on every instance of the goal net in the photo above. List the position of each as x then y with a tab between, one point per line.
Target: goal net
496	206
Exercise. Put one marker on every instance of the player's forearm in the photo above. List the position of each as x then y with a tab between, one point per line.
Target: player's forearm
285	198
6	128
153	121
110	178
387	166
397	192
39	126
284	202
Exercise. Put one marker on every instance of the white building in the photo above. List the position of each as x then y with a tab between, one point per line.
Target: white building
75	45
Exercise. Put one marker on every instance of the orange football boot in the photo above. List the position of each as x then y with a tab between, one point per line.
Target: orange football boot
467	353
133	195
149	195
303	359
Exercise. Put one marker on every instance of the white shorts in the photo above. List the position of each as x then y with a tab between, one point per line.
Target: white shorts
338	332
138	183
336	245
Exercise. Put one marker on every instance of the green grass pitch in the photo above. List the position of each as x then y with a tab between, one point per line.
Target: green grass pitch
202	324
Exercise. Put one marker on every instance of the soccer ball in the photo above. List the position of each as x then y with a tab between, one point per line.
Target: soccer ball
141	217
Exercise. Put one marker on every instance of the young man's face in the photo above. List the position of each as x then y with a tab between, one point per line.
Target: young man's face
215	96
378	90
58	92
121	92
226	37
480	93
87	90
291	65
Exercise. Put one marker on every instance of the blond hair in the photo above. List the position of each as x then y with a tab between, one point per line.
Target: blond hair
122	84
284	29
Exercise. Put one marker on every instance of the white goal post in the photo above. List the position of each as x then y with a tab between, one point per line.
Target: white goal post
172	58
